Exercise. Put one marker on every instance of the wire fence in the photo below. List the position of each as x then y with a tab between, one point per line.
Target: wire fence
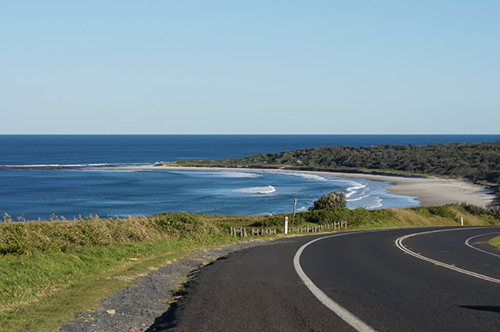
257	231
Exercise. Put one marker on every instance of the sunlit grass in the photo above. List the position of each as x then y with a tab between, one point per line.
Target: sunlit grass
41	291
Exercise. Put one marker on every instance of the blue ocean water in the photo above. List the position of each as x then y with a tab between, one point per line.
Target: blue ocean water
40	194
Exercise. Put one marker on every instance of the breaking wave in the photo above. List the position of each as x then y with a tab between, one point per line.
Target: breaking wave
238	175
359	198
354	189
257	190
309	176
377	203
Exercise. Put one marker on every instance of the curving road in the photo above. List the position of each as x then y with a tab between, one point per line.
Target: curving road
437	280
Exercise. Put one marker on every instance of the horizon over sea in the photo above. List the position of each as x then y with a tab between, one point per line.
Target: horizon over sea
41	194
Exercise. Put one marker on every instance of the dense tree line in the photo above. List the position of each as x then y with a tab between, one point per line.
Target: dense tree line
473	161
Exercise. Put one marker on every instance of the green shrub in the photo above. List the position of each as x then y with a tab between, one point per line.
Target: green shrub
329	201
480	210
441	211
432	211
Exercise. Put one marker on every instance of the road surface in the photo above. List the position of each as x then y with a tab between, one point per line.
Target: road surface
434	281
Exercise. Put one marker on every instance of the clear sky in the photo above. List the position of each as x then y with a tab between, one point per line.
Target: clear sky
250	67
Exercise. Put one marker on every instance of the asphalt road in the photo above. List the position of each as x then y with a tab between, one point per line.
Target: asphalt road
364	274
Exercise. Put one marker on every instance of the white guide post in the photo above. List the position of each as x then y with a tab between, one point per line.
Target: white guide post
462	220
286	225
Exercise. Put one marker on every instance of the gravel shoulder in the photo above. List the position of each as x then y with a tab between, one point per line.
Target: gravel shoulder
138	306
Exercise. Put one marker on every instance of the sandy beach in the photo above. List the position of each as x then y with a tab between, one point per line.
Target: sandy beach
429	190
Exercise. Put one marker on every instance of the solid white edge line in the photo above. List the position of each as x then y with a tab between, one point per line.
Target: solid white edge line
481	250
399	244
343	313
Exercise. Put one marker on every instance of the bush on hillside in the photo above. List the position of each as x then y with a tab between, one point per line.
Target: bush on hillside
437	210
329	201
481	210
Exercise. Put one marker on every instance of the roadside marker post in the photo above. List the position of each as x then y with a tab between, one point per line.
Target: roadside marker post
286	225
462	220
293	216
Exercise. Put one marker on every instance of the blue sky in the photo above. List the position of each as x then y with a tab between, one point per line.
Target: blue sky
250	67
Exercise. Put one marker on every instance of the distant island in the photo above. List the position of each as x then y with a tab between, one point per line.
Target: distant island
477	162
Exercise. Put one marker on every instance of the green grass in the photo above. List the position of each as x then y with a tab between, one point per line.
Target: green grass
50	270
495	242
39	292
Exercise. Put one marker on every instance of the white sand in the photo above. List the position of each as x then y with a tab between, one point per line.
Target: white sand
429	191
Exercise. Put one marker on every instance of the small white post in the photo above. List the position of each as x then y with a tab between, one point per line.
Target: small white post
462	220
286	225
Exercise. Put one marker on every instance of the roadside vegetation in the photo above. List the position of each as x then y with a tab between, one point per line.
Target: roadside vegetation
478	162
50	270
330	200
360	218
495	242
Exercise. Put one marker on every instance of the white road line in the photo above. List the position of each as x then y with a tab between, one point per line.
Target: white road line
399	244
347	316
467	243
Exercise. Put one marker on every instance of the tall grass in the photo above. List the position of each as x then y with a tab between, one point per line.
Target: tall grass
25	238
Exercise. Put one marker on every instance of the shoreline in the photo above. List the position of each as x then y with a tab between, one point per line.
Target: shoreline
427	190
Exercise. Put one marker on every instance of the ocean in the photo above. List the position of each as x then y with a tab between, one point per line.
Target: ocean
45	194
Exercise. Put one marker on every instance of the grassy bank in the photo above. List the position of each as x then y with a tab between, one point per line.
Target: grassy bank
49	270
495	242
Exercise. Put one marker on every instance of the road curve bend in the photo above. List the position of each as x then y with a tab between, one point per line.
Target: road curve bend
365	281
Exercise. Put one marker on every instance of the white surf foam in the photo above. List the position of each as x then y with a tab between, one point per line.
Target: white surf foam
257	190
354	189
47	165
71	165
354	186
376	204
238	175
359	198
309	176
